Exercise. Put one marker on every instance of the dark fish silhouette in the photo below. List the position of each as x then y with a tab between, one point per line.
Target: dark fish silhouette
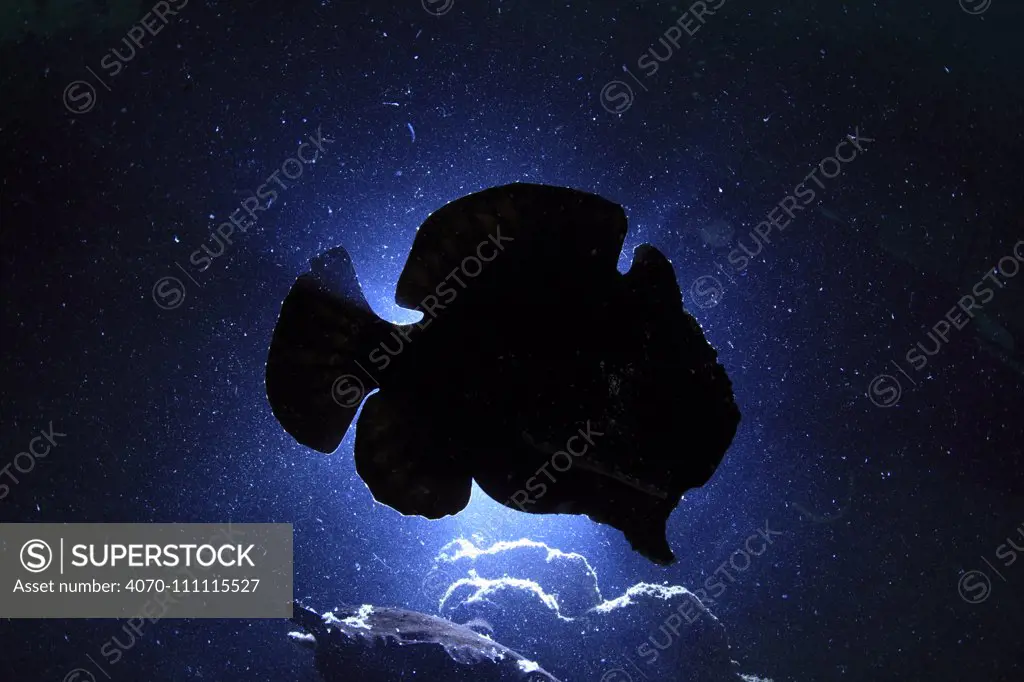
557	383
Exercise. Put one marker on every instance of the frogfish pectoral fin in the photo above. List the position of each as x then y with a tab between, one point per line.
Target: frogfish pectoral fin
409	463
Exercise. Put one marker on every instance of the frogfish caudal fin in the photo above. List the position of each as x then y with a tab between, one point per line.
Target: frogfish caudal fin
314	381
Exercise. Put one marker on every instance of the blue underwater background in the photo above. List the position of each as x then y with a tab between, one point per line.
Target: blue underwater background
878	463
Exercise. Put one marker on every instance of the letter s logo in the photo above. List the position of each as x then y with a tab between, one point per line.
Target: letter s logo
36	556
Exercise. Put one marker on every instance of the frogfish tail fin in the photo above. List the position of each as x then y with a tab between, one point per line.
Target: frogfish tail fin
326	329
